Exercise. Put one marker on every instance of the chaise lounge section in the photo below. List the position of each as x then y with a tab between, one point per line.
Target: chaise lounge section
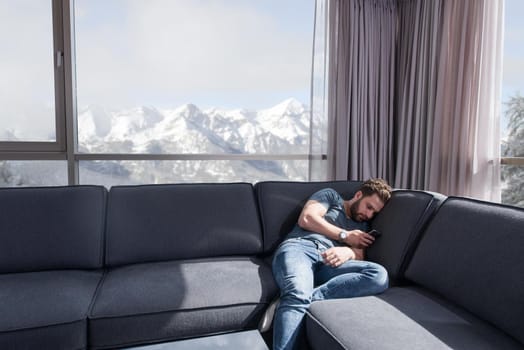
462	289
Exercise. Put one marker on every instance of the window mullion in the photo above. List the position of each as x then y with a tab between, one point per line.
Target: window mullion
68	93
58	60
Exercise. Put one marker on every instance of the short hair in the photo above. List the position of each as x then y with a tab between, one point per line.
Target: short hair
379	187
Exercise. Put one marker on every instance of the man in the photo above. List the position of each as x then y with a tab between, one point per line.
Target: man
322	257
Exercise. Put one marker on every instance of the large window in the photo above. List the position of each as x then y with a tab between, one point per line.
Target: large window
158	91
512	127
193	78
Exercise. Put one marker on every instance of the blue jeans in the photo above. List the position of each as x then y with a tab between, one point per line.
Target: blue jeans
303	277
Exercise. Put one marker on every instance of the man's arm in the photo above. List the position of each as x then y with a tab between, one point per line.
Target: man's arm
312	219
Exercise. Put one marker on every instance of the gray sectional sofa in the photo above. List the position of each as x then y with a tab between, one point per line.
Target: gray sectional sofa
82	267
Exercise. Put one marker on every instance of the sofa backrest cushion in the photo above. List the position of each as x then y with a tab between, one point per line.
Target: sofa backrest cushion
44	228
401	222
280	205
472	254
181	221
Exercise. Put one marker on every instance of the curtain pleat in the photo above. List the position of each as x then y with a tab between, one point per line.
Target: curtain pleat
418	48
459	105
361	99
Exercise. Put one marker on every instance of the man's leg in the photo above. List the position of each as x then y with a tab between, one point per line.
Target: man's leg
293	265
354	278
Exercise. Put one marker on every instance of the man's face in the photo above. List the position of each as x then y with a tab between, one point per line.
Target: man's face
365	207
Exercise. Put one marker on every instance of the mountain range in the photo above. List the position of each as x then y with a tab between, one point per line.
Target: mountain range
281	129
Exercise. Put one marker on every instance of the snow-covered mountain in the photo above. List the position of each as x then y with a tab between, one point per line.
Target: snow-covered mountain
281	129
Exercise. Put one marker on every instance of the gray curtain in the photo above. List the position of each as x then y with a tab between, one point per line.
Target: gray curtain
361	88
419	41
413	93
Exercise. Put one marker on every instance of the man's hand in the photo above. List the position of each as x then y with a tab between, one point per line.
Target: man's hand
359	239
359	254
336	256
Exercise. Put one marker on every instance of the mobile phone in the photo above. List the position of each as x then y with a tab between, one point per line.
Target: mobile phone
375	233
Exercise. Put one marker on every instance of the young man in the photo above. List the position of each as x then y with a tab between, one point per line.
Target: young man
322	257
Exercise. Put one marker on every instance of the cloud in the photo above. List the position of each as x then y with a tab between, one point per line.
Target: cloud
513	74
184	49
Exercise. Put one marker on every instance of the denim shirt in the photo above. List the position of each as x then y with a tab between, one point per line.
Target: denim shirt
336	215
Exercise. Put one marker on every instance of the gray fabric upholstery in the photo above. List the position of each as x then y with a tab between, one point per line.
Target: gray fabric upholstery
280	204
401	318
46	309
44	228
182	261
178	299
401	222
472	254
165	222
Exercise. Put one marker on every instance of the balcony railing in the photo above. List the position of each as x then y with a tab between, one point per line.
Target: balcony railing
512	161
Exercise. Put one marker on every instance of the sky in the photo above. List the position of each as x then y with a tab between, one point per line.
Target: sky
513	64
164	53
26	69
513	61
212	53
216	53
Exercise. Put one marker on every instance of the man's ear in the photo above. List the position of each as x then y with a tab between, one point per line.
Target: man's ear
357	195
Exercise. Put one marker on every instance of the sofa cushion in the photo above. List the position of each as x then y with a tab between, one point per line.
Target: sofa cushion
401	221
44	228
280	205
46	310
472	254
172	300
180	221
400	318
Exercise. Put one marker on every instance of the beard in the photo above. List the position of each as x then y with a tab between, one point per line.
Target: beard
353	210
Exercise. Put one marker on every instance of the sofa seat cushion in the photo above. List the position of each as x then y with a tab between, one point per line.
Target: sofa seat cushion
46	310
162	301
400	318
